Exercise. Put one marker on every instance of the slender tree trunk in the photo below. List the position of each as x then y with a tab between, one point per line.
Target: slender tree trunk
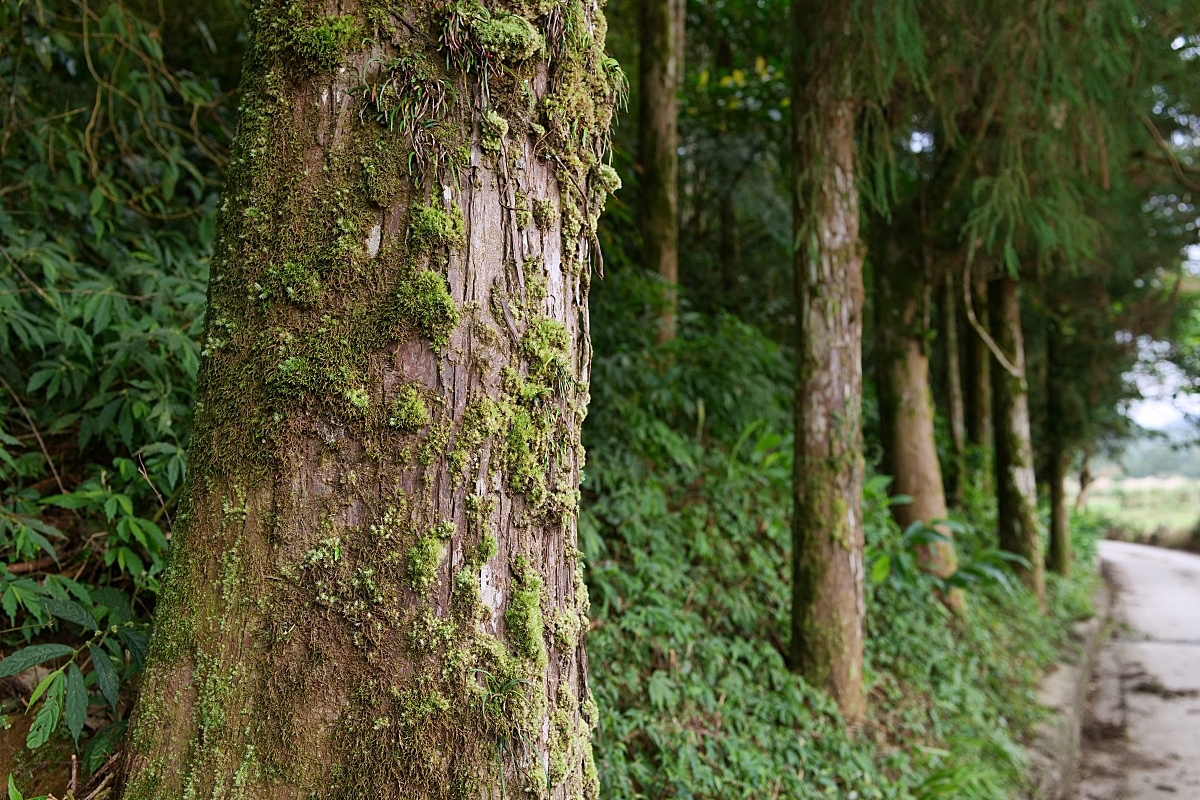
906	403
661	63
1059	458
374	588
1060	514
955	408
1016	493
728	250
1085	480
828	604
979	371
728	242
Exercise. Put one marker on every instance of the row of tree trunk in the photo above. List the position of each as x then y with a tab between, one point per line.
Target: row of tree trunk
374	587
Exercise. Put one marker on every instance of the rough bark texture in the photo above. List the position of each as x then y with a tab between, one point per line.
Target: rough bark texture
955	408
906	403
978	365
1016	493
374	588
661	69
828	606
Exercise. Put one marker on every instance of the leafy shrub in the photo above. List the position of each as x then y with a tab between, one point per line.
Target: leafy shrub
110	168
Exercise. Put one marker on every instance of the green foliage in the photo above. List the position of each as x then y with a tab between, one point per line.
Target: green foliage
686	526
323	43
110	163
62	693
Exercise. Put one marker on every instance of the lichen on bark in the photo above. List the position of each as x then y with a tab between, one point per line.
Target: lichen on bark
380	512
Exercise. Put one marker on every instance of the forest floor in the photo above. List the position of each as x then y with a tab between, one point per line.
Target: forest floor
1143	729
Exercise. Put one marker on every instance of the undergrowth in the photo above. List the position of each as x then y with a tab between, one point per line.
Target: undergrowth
687	533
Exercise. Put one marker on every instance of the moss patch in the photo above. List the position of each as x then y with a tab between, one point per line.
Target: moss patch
425	301
322	46
431	227
495	128
526	631
408	412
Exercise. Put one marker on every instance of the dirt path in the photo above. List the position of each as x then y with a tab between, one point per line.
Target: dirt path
1142	740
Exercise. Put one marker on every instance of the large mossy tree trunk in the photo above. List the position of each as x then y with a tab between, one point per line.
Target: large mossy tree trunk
374	587
906	411
1016	491
827	559
660	71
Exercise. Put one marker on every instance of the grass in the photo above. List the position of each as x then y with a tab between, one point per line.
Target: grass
1161	510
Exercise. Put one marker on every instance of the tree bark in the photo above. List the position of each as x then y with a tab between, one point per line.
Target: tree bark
1060	514
728	241
979	371
955	408
661	70
906	403
374	587
1059	458
828	604
1016	492
1085	480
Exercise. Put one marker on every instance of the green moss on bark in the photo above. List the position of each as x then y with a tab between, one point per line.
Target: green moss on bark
427	304
321	46
408	412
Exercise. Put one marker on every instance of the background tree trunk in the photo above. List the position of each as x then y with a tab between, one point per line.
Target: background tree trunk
828	604
906	403
955	409
979	370
374	588
1085	480
1016	492
1059	457
661	70
1060	514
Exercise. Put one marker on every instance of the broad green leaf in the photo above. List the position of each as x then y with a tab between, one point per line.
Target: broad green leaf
72	612
46	720
43	685
102	745
73	500
881	569
76	702
115	601
106	675
136	640
32	656
13	793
